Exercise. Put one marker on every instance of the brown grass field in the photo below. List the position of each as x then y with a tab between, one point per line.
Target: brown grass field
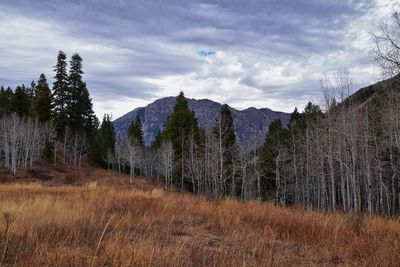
100	220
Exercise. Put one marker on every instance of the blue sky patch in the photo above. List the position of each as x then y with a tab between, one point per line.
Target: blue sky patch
204	53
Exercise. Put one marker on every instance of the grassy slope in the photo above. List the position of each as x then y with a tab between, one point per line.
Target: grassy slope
100	221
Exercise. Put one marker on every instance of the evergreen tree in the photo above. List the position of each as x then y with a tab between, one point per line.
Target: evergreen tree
81	117
75	89
157	141
229	138
72	106
41	102
312	111
135	131
296	136
276	140
108	134
30	91
2	101
180	125
20	101
294	117
89	119
5	100
60	94
104	143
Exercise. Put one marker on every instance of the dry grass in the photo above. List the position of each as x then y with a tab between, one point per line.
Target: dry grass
105	222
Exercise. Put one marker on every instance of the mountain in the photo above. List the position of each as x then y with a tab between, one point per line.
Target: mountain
250	124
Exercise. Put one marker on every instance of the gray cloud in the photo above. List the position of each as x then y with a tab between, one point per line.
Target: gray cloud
263	51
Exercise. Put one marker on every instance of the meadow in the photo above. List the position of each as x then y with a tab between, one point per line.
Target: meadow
98	219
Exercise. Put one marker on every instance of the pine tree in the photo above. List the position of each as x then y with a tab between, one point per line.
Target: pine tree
157	141
312	111
3	97
30	91
276	141
41	102
20	101
75	88
89	119
294	117
60	94
81	117
108	134
104	147
227	124
6	100
135	131
178	129
2	101
296	136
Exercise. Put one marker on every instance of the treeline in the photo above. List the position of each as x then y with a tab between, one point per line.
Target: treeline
37	123
341	156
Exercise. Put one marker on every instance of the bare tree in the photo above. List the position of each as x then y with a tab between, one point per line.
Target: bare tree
22	141
132	156
166	162
387	45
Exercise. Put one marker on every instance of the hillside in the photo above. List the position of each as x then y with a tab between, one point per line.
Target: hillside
100	221
363	95
250	124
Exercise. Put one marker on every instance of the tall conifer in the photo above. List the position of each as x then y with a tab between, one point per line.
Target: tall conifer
41	102
60	94
20	101
180	125
135	131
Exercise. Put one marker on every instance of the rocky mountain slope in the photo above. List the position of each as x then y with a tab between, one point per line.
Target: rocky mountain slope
250	124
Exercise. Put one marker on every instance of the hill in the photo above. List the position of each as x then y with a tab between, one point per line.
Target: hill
363	95
98	220
250	124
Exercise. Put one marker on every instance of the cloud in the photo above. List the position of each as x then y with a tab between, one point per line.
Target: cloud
244	53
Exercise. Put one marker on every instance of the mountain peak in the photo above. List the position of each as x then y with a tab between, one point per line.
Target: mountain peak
250	124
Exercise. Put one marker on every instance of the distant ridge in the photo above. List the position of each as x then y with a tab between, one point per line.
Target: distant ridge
250	124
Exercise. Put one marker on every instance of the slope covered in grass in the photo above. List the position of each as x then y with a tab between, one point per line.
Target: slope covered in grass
102	221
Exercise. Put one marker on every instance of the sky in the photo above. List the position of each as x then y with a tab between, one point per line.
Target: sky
246	53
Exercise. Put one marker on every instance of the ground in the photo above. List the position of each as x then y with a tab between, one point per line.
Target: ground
95	218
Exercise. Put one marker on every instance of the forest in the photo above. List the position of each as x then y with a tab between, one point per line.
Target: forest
340	154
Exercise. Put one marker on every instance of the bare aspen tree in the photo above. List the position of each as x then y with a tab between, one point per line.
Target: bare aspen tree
119	153
132	154
67	133
22	142
166	165
150	159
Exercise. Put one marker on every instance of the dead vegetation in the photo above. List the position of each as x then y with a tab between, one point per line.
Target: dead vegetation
104	222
